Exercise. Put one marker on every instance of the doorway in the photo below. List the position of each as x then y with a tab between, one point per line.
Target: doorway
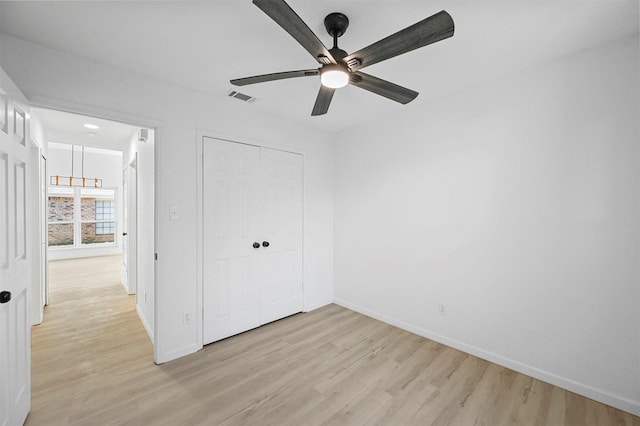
85	201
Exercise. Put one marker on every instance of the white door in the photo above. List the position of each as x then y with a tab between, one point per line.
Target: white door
130	227
281	213
125	228
15	313
44	234
231	175
252	237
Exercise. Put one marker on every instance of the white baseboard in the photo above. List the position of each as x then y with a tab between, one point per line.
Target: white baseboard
317	306
621	403
145	324
170	356
61	253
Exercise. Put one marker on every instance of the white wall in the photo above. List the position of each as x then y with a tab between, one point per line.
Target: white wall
144	154
515	205
56	79
101	164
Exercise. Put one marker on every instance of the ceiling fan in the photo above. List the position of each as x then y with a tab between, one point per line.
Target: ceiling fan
339	68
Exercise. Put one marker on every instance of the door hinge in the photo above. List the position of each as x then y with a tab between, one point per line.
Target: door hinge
155	255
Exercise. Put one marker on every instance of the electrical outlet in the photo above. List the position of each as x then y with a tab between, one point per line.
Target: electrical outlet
187	318
442	310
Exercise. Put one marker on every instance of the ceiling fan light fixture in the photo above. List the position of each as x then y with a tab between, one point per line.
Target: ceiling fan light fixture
334	76
339	68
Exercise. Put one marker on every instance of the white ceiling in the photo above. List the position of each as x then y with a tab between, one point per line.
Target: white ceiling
67	128
203	44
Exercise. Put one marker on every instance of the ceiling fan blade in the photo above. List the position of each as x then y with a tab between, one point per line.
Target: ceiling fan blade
273	76
323	101
281	12
382	87
427	31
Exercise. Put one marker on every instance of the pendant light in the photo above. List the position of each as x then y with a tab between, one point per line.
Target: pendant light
74	180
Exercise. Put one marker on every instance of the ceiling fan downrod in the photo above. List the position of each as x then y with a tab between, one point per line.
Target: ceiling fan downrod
336	24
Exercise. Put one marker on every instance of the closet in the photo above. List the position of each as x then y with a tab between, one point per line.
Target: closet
252	236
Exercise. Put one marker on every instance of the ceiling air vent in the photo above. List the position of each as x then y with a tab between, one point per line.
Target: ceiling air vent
241	96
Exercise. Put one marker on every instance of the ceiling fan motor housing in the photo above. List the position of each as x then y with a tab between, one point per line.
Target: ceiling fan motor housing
337	53
336	24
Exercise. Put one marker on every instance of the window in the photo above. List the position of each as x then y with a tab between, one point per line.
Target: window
105	210
81	216
98	216
60	216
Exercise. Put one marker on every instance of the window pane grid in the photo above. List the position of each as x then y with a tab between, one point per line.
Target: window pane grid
105	210
105	228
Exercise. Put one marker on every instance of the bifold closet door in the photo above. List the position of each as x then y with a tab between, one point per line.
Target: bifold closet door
252	200
281	261
231	220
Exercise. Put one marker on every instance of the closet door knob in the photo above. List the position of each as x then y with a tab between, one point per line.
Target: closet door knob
256	245
265	244
5	296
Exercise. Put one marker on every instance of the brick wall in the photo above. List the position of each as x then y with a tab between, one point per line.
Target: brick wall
60	209
60	234
88	208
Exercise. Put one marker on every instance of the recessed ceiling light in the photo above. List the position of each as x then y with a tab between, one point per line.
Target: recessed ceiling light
91	126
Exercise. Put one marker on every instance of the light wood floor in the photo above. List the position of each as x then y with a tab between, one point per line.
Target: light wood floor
92	365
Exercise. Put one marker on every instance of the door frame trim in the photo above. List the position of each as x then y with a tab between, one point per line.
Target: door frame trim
38	101
201	134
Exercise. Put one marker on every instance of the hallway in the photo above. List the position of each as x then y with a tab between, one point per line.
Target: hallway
89	342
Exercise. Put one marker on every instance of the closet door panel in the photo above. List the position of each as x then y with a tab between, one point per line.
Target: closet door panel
231	184
281	293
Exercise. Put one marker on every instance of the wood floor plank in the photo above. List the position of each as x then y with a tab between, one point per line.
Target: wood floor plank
93	365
